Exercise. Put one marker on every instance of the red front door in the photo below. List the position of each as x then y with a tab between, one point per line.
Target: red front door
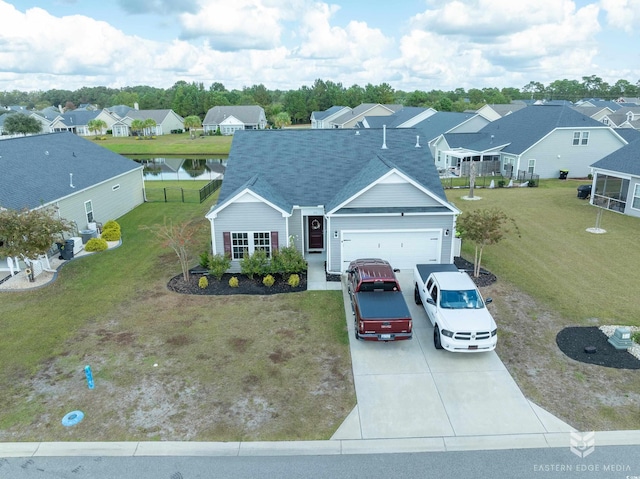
316	232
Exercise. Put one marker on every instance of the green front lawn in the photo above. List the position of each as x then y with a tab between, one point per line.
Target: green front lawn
578	274
173	144
228	368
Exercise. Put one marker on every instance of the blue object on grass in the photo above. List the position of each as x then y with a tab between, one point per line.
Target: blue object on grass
87	372
72	418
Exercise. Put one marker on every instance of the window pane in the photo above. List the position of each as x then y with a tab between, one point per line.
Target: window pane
262	241
239	244
576	138
585	137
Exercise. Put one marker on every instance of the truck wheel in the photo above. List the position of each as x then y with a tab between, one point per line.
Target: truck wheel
355	327
436	337
416	295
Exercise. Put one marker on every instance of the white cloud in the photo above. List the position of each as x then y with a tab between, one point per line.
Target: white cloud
235	25
624	14
499	43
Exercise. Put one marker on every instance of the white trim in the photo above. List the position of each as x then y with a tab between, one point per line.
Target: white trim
214	213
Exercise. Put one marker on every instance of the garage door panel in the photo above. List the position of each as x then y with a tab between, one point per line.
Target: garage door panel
403	249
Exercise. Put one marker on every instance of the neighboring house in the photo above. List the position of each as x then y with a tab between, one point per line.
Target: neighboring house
598	113
538	140
233	118
77	121
45	124
321	119
616	180
351	118
86	182
166	122
629	100
625	117
342	193
496	111
407	117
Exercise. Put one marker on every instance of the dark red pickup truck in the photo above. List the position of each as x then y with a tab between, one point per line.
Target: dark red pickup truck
380	310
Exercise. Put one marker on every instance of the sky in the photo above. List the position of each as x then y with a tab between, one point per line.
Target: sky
285	44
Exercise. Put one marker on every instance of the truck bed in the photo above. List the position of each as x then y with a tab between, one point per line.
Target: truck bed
426	269
375	305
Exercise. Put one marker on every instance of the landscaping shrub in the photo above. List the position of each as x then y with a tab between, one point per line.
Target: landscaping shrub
204	260
636	337
111	234
294	281
290	260
218	265
501	183
233	282
111	224
96	244
255	264
203	282
268	281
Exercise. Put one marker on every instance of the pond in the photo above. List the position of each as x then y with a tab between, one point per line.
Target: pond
179	168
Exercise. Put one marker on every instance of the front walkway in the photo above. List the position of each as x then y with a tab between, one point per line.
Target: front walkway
316	274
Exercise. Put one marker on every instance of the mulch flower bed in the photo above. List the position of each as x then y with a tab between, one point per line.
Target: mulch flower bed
245	285
573	340
486	277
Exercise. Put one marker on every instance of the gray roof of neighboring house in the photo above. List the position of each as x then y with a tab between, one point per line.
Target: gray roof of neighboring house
360	109
157	115
625	100
35	169
629	134
321	167
50	113
321	115
441	122
521	129
625	160
82	117
507	108
247	114
120	110
397	118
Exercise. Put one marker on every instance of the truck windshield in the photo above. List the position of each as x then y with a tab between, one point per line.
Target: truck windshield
378	286
466	299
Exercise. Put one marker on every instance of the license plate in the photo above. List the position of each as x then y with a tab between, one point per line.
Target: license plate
385	336
473	347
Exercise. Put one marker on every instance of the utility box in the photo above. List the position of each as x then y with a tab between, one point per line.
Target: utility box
621	339
87	235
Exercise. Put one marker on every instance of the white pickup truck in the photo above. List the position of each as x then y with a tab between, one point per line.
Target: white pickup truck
461	321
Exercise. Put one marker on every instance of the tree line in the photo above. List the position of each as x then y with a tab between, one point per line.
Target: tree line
188	99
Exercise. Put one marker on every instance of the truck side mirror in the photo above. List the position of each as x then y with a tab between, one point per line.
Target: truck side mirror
488	300
396	270
431	301
349	271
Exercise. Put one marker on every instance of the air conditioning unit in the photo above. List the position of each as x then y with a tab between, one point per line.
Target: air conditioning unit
77	244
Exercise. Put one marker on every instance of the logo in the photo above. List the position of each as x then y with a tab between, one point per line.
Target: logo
582	443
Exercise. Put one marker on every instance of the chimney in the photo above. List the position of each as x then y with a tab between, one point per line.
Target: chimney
384	137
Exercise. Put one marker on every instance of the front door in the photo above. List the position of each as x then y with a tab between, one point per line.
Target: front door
315	225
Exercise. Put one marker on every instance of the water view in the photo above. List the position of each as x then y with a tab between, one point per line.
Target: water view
174	168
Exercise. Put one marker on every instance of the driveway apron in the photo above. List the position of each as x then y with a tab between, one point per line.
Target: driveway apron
410	389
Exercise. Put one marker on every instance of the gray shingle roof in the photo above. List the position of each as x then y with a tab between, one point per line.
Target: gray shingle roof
440	123
625	160
398	118
79	117
247	114
523	128
35	169
360	109
321	115
323	167
156	115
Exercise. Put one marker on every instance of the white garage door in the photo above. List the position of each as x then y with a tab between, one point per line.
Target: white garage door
403	249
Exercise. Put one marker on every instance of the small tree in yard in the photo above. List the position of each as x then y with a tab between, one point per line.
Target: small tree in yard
191	123
179	238
484	227
30	233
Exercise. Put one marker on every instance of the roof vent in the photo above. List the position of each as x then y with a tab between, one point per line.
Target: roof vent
417	141
71	180
384	137
357	132
46	152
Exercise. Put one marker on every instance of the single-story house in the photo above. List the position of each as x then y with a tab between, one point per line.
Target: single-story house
538	140
77	121
352	117
346	194
407	117
322	119
45	124
616	180
233	118
86	182
495	111
166	122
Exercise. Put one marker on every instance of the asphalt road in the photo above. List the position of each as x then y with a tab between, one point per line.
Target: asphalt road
615	462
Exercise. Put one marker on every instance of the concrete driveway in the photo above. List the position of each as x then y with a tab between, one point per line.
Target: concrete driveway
409	389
